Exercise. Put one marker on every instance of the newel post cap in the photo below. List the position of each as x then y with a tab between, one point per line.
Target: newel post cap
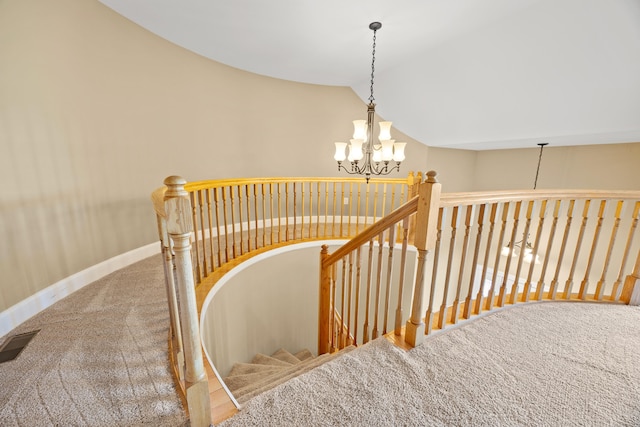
431	177
175	186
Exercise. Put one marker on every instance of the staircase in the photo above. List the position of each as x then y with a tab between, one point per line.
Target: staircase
247	380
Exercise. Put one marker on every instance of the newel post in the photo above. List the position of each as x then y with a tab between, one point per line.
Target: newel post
179	226
425	240
324	309
176	331
631	290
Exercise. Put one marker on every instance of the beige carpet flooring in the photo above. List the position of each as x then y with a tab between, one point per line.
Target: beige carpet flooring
100	358
550	364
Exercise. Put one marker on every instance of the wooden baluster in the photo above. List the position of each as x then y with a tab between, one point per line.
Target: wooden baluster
349	290
310	209
326	208
389	273
302	209
335	343
295	211
615	292
333	224
179	228
286	209
384	200
631	291
534	252
480	294
442	319
218	238
226	223
365	328
247	195
403	263
325	309
264	216
349	232
271	242
210	218
318	209
234	249
612	240
256	216
194	216
200	237
375	203
413	182
425	239
341	338
428	319
525	242
393	199
494	276
203	237
376	311
358	211
553	289
545	262
514	233
569	284
241	226
341	208
584	286
279	214
174	312
455	309
366	206
357	307
468	306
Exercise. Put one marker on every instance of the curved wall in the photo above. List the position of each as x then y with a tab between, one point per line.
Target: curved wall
95	112
271	302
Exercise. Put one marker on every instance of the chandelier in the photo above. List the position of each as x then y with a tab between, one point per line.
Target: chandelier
365	156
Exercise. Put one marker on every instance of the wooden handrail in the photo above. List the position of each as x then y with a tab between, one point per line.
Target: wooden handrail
372	231
217	183
465	199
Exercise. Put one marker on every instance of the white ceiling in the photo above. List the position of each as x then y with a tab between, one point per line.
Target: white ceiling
473	74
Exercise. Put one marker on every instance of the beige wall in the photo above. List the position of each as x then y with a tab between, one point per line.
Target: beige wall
604	167
92	108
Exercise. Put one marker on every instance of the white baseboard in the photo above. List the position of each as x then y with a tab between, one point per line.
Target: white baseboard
27	308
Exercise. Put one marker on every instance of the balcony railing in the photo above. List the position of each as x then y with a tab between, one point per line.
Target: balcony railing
476	252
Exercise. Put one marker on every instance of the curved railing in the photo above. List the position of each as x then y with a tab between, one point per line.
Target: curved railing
478	252
229	221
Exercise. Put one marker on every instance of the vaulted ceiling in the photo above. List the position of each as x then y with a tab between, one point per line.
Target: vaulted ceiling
473	74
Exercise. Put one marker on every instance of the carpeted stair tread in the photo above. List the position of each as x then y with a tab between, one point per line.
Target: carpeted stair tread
238	382
273	380
243	394
303	355
251	368
263	359
285	356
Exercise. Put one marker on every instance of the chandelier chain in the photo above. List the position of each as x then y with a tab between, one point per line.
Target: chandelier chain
542	145
373	68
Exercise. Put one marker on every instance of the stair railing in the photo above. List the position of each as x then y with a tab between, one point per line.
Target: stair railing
207	227
478	252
